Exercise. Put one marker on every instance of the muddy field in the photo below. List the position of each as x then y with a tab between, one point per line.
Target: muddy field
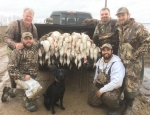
75	98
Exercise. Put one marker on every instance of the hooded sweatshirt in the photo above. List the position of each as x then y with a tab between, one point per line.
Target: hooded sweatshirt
117	73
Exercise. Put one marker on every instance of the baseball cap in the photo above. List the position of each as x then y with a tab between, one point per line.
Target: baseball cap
25	34
122	10
106	45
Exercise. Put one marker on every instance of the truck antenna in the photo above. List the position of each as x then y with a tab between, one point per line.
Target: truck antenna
105	3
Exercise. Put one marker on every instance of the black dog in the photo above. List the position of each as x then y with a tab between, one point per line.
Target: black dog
55	91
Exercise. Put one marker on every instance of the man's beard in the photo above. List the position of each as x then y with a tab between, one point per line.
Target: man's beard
26	46
124	23
108	57
105	20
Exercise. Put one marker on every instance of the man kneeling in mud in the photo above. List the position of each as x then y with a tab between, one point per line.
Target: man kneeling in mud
108	80
23	68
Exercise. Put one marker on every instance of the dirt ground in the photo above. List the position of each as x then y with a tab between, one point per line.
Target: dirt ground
76	94
75	98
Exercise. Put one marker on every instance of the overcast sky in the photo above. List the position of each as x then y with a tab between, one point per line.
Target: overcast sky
139	9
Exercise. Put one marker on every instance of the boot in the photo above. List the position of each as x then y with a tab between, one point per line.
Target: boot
128	107
122	102
12	95
112	112
7	91
127	111
29	105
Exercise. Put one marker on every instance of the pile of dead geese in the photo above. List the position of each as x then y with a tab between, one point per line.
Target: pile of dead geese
65	49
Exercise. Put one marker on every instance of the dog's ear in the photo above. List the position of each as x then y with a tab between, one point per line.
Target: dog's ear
53	68
55	73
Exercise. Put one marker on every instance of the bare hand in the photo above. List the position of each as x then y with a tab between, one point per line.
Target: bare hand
27	77
98	93
19	46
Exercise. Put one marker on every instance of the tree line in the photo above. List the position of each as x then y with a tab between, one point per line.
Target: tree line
5	20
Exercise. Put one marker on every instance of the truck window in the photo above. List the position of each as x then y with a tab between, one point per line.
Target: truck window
63	19
71	19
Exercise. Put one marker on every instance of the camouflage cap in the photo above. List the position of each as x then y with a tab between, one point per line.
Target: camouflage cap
25	34
106	45
122	10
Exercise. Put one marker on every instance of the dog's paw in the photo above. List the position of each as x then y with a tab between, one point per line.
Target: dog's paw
48	108
57	105
52	111
62	108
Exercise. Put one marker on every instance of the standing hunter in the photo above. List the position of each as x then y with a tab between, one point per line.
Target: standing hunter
105	31
134	42
14	31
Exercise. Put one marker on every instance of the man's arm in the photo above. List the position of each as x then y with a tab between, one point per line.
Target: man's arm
94	22
96	36
143	36
89	22
116	77
9	35
13	66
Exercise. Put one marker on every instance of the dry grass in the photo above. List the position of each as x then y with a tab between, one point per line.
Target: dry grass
2	32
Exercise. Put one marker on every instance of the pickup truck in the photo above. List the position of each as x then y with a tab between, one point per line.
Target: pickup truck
64	21
67	18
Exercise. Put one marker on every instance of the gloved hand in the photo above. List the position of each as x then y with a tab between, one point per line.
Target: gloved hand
86	21
134	57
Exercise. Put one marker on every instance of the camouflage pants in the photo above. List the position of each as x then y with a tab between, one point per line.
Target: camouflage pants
133	71
131	82
111	98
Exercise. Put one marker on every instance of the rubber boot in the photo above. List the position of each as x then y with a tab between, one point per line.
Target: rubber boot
122	102
7	91
112	112
29	105
128	107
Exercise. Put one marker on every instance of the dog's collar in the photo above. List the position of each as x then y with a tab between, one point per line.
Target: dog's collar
56	80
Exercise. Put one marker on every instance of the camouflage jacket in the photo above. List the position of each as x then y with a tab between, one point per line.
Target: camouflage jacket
11	35
140	40
24	62
107	33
